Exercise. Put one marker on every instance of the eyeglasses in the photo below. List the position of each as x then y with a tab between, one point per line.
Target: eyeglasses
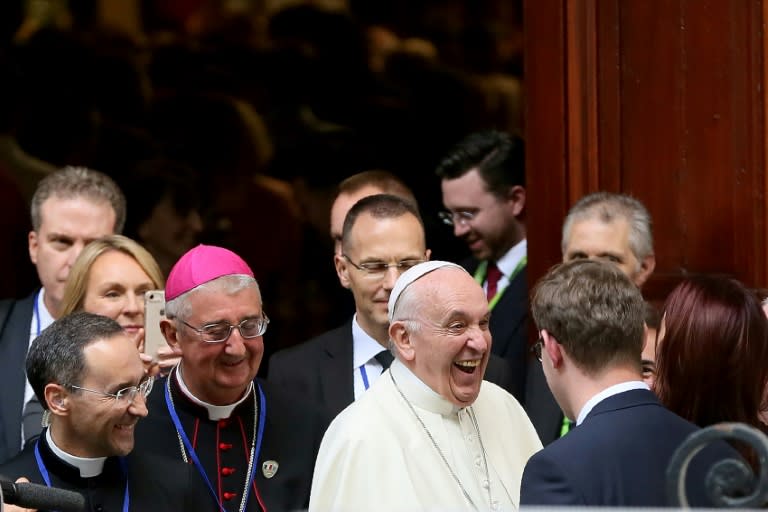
125	396
462	217
536	348
220	332
379	268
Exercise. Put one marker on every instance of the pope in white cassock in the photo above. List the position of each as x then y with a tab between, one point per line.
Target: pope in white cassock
430	434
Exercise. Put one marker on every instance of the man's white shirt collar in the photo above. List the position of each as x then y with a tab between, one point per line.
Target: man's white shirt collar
364	347
215	412
88	466
512	257
44	315
608	392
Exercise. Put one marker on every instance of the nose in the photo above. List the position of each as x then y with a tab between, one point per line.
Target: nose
139	406
390	277
132	304
235	344
460	228
479	339
74	252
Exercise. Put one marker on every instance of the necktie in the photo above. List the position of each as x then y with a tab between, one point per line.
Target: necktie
492	280
32	419
384	358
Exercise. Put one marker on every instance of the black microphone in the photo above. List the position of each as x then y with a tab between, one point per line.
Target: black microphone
36	496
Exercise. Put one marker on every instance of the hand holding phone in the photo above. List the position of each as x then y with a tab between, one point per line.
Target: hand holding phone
154	312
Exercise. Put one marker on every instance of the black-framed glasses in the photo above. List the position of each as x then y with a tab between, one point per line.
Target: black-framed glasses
461	217
536	348
379	268
220	332
124	396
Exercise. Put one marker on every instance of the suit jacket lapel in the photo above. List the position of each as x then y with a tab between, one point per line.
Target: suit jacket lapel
14	342
336	369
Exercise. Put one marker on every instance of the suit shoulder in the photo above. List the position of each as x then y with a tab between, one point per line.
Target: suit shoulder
309	349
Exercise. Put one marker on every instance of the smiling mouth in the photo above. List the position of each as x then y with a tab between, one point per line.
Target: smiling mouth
126	428
467	366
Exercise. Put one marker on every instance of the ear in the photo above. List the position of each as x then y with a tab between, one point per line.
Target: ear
171	334
33	246
553	349
428	254
57	398
342	269
646	269
516	199
401	339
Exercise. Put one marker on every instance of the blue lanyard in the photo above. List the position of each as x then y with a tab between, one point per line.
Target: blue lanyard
47	477
193	454
37	311
364	375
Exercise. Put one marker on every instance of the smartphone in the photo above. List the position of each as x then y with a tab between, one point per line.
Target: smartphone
154	311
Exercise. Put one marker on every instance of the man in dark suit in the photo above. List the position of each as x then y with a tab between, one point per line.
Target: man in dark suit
610	227
70	208
254	447
483	186
88	374
590	319
382	237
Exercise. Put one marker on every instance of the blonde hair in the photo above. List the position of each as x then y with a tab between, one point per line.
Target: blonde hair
77	282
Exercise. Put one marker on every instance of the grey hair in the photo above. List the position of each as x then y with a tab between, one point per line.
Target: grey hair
230	284
56	356
607	207
74	182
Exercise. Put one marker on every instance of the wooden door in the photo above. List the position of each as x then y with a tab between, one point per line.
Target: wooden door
663	100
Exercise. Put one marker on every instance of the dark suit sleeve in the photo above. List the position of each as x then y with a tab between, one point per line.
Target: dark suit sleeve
545	483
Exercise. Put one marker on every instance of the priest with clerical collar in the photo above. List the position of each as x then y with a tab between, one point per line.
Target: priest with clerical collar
253	447
89	378
430	434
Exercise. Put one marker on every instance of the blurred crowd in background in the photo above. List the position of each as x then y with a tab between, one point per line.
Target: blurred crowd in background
232	122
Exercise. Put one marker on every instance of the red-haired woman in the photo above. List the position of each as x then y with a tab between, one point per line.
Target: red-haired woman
712	355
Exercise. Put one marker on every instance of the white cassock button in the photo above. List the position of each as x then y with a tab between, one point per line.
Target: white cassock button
477	461
494	505
486	484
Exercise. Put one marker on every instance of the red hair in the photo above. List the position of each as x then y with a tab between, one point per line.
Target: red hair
712	363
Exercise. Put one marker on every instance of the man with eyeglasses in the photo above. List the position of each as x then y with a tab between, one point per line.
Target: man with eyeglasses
604	226
253	447
89	377
382	237
483	186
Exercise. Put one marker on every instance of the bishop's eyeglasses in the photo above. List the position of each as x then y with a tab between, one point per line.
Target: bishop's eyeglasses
221	331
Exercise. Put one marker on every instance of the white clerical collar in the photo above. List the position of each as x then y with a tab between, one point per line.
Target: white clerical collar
364	347
43	315
215	412
89	467
508	263
418	393
608	392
